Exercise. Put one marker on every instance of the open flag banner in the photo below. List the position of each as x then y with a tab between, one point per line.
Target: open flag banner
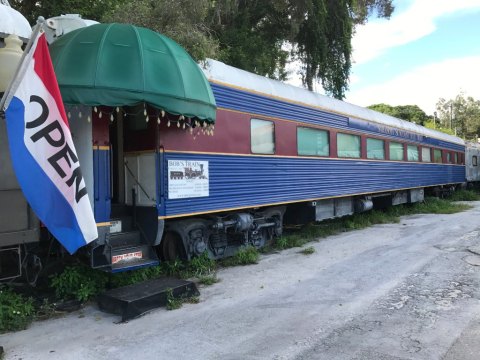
43	154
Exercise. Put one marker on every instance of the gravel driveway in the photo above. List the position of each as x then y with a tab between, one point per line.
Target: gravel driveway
397	291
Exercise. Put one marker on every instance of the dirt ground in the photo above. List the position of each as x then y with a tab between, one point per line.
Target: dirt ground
397	291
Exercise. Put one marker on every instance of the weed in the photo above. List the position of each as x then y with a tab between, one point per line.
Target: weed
173	303
208	279
174	267
79	282
201	266
308	250
45	311
246	255
191	300
16	311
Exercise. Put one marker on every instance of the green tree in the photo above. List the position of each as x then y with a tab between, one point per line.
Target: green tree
182	20
461	115
253	35
88	9
410	113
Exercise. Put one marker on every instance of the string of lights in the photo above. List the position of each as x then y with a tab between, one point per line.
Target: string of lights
195	126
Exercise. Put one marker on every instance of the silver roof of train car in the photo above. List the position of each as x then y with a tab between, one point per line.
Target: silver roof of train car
220	72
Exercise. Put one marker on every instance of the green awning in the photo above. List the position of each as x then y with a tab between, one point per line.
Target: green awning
124	65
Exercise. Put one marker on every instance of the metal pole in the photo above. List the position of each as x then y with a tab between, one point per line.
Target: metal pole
451	114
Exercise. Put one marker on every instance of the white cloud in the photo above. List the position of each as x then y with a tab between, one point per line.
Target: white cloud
374	38
424	85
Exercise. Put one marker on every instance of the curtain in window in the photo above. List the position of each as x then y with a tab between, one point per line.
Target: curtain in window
312	142
375	149
348	145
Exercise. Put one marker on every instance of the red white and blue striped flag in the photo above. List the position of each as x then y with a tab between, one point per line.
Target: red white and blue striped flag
43	154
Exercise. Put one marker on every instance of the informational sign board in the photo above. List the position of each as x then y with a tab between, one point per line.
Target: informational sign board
187	179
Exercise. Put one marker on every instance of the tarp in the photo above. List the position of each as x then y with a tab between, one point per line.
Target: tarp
122	64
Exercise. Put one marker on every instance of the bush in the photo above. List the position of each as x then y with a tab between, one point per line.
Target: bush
201	266
16	311
135	276
79	282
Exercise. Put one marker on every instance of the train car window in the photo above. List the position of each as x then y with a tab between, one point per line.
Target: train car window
396	151
348	145
474	160
412	153
426	154
437	155
312	142
375	149
262	134
455	159
449	157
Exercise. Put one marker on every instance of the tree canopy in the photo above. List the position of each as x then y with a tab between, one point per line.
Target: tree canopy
460	114
410	113
260	36
253	35
88	9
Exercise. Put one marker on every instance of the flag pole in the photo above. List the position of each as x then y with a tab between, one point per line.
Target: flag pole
7	95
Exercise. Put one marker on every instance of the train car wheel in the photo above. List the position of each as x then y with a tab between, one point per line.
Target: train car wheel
171	248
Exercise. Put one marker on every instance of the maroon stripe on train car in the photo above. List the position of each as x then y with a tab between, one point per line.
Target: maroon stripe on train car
100	129
231	135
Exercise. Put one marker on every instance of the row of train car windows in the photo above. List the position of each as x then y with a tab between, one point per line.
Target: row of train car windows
315	142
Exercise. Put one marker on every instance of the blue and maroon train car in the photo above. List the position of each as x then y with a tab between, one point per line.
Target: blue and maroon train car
284	153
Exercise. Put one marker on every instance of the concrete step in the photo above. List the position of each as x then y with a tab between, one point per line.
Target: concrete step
134	300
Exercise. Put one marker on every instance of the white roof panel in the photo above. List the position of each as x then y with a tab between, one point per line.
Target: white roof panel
220	72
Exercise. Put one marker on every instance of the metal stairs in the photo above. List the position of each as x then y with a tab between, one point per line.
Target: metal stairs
126	247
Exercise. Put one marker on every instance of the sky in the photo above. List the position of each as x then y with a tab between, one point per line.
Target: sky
427	50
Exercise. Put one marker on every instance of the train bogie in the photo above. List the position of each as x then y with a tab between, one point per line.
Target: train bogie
221	235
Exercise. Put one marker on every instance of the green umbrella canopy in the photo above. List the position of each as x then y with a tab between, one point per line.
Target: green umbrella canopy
123	65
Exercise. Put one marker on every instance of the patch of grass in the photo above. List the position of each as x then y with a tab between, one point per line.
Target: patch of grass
464	195
433	205
244	256
307	251
208	279
16	311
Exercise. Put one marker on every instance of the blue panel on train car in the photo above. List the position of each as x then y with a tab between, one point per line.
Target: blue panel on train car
239	100
249	181
101	187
